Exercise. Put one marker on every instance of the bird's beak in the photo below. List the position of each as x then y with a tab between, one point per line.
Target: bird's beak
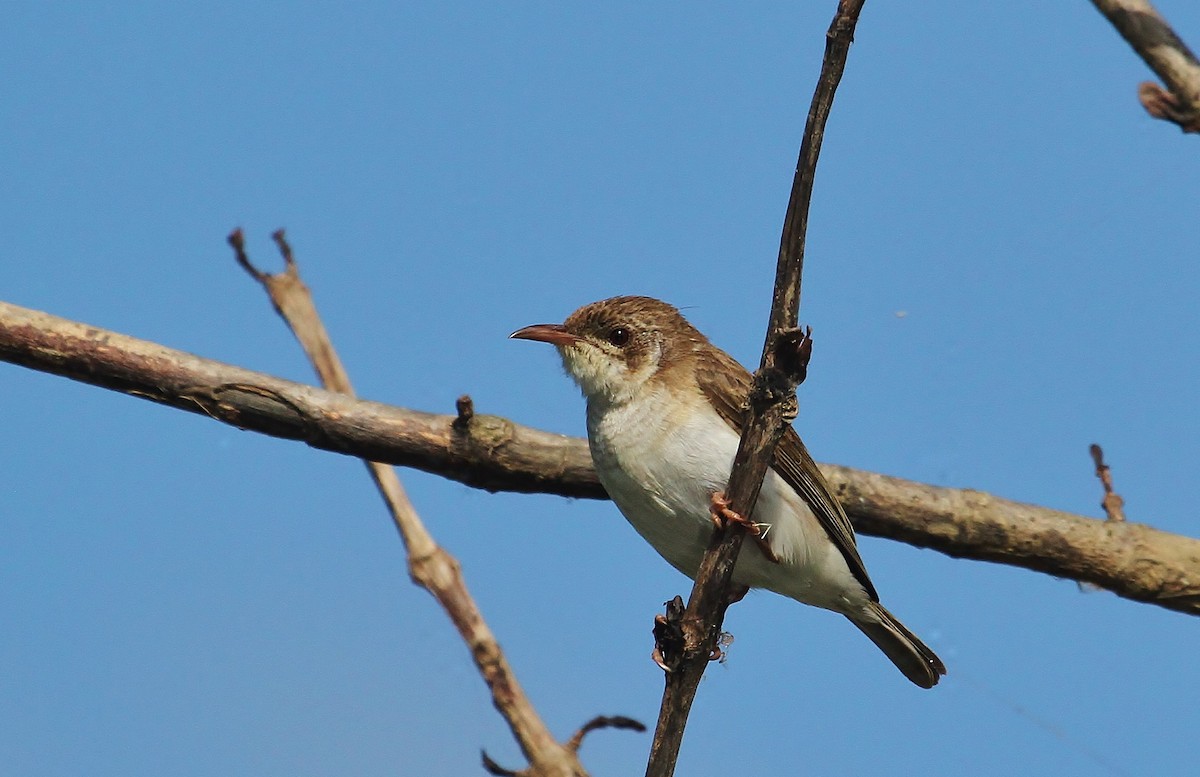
555	334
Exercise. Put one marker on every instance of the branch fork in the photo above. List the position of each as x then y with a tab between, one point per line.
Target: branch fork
429	565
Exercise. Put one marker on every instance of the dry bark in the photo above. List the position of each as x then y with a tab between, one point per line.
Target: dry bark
1168	56
784	365
429	564
1131	559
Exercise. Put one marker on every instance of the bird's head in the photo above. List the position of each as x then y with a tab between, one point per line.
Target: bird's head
617	348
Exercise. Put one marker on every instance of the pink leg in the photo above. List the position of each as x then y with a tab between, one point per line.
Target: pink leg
723	515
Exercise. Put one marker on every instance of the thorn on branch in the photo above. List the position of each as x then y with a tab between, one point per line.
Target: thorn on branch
494	768
1113	504
466	411
603	721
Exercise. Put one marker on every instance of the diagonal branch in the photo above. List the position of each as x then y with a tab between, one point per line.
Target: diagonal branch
1156	43
488	452
1130	559
429	565
772	408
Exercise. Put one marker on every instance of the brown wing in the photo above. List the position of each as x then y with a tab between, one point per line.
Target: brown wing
727	385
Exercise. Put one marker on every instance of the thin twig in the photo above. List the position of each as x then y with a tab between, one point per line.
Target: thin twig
602	722
493	453
1113	504
237	240
573	744
773	406
495	769
430	566
1141	25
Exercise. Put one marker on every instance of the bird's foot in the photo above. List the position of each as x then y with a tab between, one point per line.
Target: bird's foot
723	515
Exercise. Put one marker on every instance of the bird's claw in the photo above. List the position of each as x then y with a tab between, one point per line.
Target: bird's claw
723	515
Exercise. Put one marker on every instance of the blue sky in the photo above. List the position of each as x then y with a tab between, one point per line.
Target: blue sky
1001	270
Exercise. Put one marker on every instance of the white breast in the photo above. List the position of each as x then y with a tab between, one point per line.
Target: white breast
661	458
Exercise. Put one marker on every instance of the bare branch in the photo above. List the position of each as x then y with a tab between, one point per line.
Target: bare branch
429	565
1132	560
603	721
489	452
1156	43
772	407
1113	504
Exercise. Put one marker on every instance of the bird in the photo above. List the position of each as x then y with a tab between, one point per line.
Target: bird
665	411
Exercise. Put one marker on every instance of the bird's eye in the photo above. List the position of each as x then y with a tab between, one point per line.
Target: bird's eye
618	336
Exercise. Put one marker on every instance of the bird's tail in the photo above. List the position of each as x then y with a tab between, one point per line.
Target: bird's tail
909	654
